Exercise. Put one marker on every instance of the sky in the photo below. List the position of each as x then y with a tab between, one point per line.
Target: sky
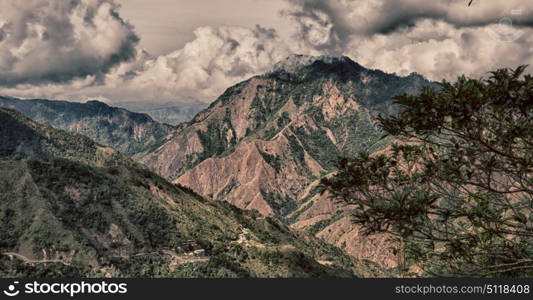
182	50
167	25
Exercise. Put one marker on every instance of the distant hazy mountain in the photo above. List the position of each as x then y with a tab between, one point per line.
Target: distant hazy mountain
169	112
265	142
129	132
70	207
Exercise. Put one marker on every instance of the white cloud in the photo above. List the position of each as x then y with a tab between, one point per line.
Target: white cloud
439	39
440	50
82	49
214	60
57	41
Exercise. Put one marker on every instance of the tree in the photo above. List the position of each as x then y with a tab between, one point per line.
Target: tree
456	185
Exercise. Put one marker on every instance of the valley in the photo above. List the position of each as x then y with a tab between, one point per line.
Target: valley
265	143
64	194
262	146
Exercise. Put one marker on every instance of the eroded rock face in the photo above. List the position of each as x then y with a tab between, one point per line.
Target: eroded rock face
65	199
254	176
347	236
266	142
330	220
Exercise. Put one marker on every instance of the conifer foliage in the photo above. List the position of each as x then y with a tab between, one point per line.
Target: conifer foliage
456	187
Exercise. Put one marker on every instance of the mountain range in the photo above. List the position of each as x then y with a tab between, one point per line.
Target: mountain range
129	132
265	143
70	207
239	181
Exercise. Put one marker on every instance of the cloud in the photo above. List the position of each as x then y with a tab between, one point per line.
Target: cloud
439	39
82	49
214	60
442	51
331	22
47	42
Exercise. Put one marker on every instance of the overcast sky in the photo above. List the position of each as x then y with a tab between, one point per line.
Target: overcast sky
181	50
166	25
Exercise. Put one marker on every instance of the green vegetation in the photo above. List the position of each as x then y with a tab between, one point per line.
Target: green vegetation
70	208
273	160
281	205
129	132
456	186
283	97
364	134
318	145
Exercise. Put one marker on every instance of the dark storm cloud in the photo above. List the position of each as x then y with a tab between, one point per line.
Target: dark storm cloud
320	25
58	41
83	48
265	33
329	24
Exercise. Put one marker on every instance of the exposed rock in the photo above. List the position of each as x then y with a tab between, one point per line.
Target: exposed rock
347	236
71	208
266	142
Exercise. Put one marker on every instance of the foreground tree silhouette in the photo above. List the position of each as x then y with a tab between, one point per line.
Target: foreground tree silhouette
456	185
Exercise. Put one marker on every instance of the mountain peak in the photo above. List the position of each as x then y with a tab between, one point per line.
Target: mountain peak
96	102
295	62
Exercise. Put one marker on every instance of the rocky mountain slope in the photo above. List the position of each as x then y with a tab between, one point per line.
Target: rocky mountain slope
265	143
265	140
70	207
128	132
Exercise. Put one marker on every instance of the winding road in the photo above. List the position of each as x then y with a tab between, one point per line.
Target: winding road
12	255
